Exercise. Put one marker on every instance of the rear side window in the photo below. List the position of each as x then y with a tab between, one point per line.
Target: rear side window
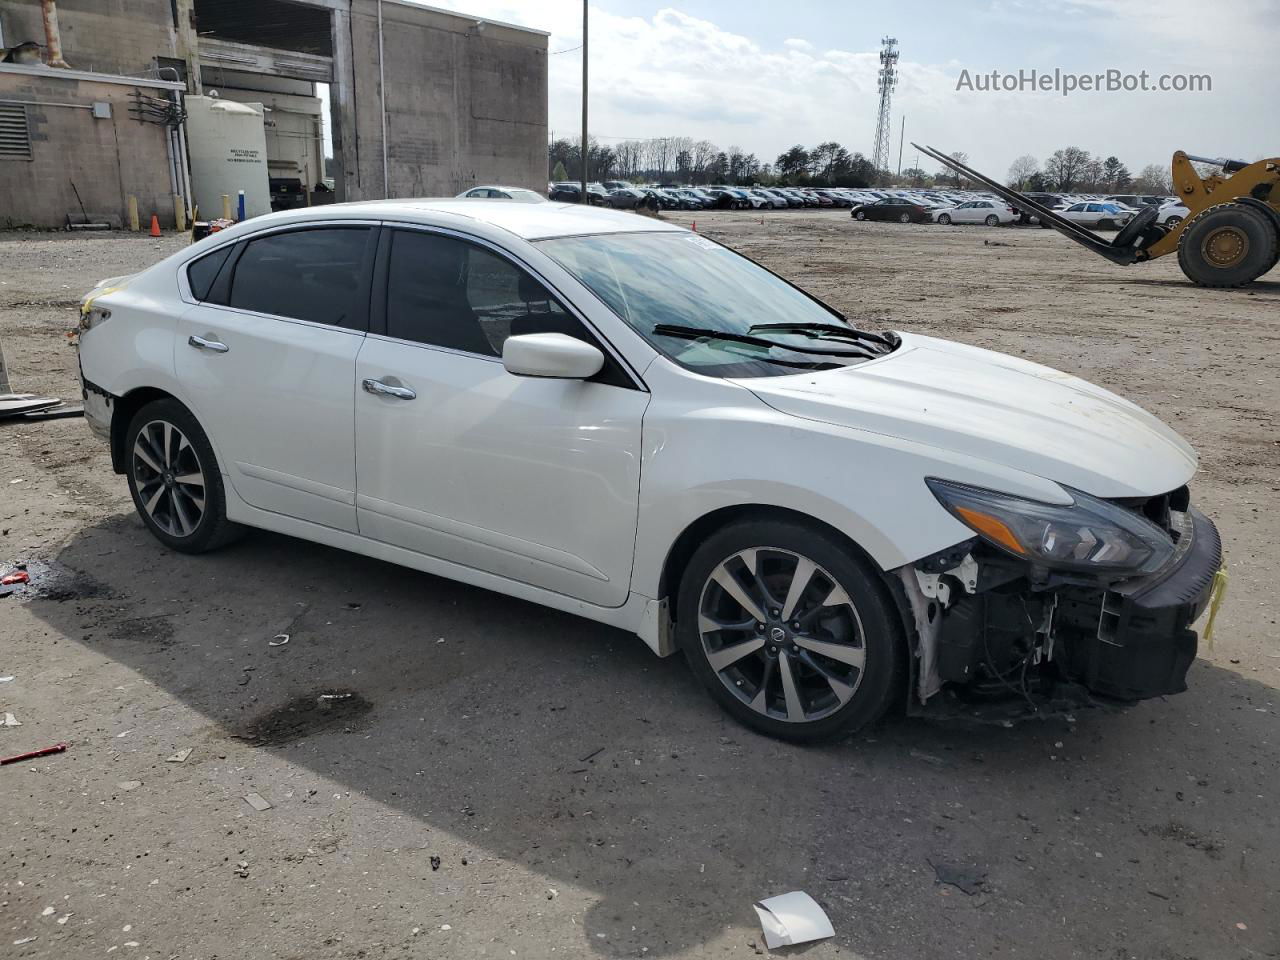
316	275
201	273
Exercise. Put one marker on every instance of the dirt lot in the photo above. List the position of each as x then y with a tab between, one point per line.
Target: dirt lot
583	798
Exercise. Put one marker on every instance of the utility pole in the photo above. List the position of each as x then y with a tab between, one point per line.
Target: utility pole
585	152
901	137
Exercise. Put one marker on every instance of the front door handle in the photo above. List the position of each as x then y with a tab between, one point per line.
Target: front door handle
200	343
381	389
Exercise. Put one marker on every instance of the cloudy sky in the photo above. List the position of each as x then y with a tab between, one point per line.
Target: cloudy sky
764	74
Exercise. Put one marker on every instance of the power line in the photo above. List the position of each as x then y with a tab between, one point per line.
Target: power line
569	50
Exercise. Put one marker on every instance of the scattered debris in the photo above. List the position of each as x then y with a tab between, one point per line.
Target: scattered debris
129	784
552	893
279	640
928	758
242	869
43	752
967	880
11	721
15	577
257	801
593	753
792	918
180	756
25	940
996	243
47	912
435	862
305	715
6	679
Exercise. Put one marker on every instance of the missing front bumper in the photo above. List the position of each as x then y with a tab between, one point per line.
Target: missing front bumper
1013	650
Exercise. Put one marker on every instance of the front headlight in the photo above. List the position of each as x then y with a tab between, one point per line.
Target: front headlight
1088	534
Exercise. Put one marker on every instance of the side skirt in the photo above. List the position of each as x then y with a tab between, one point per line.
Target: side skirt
635	615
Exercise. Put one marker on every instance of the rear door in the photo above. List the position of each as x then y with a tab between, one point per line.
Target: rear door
534	480
267	362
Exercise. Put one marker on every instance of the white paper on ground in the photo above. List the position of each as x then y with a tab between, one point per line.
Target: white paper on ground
792	918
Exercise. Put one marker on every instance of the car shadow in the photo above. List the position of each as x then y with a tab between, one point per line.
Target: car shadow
566	748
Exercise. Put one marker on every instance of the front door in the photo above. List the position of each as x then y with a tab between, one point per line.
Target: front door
267	362
535	480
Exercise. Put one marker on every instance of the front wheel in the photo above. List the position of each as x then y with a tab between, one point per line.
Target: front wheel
791	632
992	221
174	479
904	218
860	215
944	219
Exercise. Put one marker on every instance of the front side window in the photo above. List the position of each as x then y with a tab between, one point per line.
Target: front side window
447	292
680	291
315	275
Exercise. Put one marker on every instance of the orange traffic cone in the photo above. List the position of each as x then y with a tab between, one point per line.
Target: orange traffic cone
155	225
695	226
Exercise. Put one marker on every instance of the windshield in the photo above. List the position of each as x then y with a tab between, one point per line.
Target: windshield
679	290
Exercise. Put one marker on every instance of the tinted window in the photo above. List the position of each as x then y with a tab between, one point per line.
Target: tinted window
202	272
312	275
449	293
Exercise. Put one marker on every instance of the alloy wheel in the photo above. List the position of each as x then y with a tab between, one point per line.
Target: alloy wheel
781	634
169	478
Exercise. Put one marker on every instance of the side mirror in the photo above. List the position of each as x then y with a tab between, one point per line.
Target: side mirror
554	355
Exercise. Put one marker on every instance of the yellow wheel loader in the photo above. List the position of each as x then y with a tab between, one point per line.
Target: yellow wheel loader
1230	236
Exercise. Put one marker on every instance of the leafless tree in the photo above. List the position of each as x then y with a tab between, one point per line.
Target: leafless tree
1066	167
1022	170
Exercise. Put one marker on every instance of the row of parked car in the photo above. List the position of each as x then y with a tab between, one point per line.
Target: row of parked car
903	206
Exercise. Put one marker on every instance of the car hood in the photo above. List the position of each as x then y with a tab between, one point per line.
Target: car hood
997	408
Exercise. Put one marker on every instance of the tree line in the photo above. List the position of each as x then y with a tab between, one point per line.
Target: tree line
697	162
1073	169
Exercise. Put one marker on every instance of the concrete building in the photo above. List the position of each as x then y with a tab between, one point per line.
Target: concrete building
423	102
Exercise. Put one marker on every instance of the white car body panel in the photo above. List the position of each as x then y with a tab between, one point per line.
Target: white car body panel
572	494
484	469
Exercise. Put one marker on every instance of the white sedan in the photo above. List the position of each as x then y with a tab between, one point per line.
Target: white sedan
518	194
1099	214
991	212
613	416
1172	213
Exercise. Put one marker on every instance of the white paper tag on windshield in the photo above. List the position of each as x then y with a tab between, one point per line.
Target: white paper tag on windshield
702	242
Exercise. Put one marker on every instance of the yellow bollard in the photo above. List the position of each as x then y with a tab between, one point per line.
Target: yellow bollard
134	225
226	207
179	213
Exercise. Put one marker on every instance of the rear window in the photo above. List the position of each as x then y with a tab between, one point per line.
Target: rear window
315	275
201	273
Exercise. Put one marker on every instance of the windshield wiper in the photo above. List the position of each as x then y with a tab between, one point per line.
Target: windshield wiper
707	333
890	340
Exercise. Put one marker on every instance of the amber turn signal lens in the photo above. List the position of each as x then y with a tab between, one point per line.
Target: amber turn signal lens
992	529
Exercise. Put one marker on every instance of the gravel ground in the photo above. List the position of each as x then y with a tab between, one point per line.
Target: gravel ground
505	780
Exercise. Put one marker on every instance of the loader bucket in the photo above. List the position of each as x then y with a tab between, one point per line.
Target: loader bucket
1124	253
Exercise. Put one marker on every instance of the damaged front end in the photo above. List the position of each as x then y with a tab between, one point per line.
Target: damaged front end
1049	608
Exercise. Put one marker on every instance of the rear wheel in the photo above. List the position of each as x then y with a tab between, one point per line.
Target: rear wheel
790	632
992	221
944	219
1106	224
174	479
1172	221
904	218
1228	245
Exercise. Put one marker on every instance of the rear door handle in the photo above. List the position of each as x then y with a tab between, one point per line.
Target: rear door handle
381	389
200	343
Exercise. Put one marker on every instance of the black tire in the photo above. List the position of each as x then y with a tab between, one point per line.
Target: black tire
992	221
1172	221
904	218
860	215
944	219
1249	230
173	503
1106	224
870	618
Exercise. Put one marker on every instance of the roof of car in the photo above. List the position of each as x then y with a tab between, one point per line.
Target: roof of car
530	221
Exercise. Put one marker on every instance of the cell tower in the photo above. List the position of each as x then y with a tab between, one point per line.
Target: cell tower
888	80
